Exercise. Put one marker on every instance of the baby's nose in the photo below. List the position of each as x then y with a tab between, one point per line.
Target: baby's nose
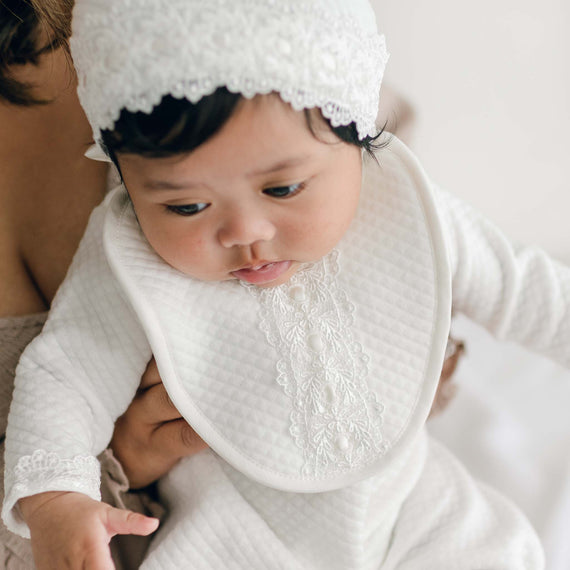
245	228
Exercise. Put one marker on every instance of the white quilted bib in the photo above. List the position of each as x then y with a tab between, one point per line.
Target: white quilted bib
322	381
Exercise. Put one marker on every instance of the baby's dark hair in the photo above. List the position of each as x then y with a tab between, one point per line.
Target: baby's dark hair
177	126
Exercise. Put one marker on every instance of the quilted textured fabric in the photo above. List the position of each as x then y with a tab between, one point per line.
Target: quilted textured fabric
15	334
369	386
423	512
516	292
316	421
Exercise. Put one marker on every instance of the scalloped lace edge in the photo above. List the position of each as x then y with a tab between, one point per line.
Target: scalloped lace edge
46	471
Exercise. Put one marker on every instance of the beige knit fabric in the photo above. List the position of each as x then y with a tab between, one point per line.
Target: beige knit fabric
15	334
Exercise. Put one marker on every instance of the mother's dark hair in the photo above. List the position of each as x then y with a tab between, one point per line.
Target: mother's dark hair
28	30
18	46
55	17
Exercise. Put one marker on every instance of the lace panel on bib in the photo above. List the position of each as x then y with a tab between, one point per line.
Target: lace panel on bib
336	420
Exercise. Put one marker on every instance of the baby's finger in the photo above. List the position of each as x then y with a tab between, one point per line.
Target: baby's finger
120	521
177	439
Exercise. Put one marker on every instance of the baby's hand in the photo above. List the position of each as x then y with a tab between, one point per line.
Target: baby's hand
72	531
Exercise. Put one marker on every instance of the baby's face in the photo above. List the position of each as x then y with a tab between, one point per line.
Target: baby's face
254	202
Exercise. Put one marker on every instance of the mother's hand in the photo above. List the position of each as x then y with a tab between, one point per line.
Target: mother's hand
151	436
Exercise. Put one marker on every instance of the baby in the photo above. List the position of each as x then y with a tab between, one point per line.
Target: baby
296	298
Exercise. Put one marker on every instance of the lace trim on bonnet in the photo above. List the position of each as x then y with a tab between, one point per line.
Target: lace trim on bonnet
317	53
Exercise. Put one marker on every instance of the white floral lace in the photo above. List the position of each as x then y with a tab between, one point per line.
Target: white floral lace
336	419
314	53
43	471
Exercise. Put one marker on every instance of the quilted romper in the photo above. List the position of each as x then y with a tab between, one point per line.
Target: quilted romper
312	395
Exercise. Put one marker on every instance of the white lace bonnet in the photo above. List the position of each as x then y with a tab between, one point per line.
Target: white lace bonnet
314	53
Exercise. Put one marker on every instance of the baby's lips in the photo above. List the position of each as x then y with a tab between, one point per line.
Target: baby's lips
263	274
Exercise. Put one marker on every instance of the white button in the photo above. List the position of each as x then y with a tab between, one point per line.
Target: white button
342	443
315	342
329	393
297	292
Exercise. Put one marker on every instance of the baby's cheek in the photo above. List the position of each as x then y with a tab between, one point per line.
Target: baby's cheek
336	221
175	247
317	235
189	255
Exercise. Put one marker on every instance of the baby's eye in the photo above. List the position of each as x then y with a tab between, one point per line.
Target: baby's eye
284	191
187	209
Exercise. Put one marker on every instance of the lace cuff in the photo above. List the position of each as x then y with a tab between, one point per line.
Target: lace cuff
44	471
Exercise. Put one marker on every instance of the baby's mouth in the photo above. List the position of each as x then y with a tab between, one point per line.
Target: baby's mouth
262	273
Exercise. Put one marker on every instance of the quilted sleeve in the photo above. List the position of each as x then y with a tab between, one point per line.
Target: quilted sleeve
72	382
517	293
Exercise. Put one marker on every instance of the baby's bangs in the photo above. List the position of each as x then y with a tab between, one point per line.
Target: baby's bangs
173	127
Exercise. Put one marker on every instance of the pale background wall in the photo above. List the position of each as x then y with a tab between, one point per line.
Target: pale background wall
490	84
